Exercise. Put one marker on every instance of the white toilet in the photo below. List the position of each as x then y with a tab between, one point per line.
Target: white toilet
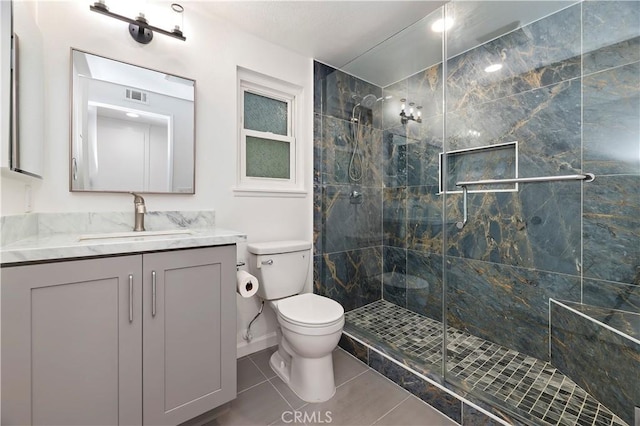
309	325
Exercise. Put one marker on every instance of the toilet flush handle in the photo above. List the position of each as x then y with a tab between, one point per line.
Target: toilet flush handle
267	262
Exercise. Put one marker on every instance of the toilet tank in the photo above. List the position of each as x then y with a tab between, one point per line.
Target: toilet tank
280	266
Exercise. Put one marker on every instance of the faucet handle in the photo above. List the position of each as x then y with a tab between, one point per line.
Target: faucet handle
137	198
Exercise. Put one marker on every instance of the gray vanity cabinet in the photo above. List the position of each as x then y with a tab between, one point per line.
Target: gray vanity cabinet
71	353
128	340
189	336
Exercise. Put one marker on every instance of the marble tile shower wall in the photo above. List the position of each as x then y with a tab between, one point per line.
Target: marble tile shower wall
569	93
347	212
570	112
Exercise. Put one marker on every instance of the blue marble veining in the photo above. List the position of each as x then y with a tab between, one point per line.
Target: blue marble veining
569	94
611	34
422	152
394	157
537	227
612	229
342	92
394	219
504	304
546	122
394	276
612	295
611	110
349	221
543	53
338	141
615	380
351	277
424	292
424	219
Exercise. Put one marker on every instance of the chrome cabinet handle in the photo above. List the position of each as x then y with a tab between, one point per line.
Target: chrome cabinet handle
130	298
153	293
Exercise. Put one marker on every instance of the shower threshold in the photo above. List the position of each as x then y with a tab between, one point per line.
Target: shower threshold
529	388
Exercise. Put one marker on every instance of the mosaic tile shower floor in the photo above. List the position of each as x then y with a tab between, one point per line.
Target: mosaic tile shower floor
521	381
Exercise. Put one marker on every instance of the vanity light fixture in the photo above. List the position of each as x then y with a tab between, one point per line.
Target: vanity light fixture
139	27
405	118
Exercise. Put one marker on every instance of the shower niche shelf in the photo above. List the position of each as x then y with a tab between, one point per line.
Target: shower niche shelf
499	161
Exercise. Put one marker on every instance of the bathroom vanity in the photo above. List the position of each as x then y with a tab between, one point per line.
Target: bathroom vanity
133	335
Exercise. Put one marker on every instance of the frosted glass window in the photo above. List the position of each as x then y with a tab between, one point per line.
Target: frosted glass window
265	114
268	158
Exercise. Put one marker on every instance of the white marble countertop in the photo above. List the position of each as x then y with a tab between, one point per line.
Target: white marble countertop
69	245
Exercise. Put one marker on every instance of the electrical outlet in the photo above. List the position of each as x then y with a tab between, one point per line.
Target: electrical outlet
28	202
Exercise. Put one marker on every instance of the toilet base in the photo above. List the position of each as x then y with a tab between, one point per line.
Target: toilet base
311	379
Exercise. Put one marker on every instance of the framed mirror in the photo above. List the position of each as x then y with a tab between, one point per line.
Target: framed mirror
132	128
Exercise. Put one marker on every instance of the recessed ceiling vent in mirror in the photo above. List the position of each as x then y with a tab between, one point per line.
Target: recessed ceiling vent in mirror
136	96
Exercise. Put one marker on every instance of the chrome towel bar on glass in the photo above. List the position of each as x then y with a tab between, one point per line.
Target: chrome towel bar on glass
587	177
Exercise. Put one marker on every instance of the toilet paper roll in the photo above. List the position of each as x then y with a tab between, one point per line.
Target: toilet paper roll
246	284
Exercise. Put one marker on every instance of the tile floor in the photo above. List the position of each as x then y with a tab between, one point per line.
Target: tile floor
533	386
363	397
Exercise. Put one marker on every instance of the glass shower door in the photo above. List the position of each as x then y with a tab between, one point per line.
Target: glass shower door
542	89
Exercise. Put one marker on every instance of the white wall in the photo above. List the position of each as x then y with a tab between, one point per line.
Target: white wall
210	55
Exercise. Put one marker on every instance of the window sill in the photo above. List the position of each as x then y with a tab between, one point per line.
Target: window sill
264	192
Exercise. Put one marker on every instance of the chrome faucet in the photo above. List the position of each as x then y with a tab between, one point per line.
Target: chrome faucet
140	210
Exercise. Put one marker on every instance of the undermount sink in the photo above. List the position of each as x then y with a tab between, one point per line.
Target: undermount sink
133	234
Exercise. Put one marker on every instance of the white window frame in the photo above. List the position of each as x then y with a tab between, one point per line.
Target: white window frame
262	85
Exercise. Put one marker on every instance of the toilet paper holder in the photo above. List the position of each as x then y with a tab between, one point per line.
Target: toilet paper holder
239	264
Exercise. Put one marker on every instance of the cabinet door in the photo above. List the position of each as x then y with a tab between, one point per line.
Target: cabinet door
71	353
189	347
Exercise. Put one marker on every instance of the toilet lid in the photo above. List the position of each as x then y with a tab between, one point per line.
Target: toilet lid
310	309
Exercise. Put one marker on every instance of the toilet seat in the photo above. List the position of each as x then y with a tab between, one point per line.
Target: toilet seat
310	310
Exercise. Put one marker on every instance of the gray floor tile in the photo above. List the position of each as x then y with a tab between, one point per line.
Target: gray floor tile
260	405
360	401
287	393
248	374
262	361
413	412
346	367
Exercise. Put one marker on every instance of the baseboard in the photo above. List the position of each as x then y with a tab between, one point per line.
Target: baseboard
257	344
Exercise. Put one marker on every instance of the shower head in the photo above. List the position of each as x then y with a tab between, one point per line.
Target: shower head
368	101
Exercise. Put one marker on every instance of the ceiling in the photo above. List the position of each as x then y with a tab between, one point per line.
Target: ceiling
332	32
378	41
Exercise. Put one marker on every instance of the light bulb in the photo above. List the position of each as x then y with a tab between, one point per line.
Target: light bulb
442	25
493	68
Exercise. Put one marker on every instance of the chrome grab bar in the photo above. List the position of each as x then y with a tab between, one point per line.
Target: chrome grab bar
587	177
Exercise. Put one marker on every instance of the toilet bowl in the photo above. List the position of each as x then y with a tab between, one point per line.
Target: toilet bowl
309	325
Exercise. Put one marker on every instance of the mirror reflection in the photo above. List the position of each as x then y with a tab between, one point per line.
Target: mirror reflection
132	128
